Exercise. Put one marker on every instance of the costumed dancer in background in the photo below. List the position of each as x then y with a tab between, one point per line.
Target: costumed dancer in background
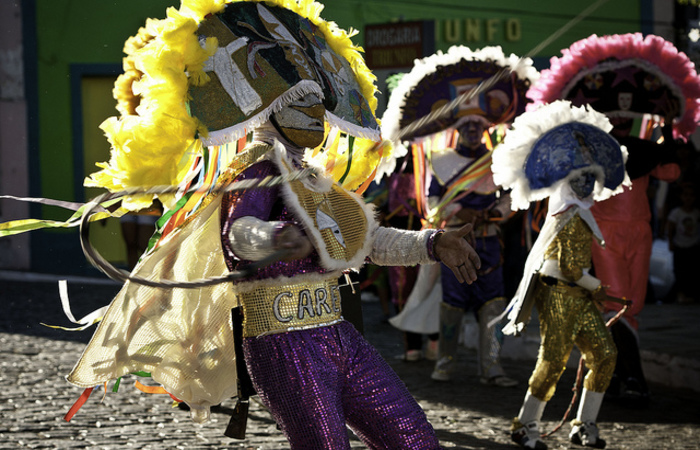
402	212
459	183
483	207
195	84
626	77
566	154
684	242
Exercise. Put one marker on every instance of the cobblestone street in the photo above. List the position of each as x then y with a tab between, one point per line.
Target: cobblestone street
466	415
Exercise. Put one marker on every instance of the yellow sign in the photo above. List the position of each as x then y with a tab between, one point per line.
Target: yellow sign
479	30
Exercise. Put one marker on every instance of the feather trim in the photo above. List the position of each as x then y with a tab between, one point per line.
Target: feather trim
387	165
425	67
152	140
324	184
653	53
509	158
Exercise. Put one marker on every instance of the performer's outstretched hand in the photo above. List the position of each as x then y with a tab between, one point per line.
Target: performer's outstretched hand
454	251
294	242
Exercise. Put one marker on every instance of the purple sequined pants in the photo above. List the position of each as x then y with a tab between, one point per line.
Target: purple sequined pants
315	381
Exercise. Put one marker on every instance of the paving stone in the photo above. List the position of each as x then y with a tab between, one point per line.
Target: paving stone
464	413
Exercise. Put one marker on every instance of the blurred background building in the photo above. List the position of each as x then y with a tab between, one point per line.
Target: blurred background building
59	60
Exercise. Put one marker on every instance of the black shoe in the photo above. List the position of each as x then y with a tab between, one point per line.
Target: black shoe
586	434
527	436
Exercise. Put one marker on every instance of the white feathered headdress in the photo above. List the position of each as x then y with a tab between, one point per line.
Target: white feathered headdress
552	144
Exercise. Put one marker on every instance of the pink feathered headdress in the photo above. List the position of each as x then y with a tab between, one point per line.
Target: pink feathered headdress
624	75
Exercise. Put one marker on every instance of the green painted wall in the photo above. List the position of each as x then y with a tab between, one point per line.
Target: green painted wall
67	33
538	20
76	32
85	32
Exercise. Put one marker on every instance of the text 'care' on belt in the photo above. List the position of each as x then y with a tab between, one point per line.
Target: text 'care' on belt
290	307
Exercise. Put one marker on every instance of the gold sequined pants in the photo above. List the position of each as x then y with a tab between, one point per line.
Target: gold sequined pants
568	316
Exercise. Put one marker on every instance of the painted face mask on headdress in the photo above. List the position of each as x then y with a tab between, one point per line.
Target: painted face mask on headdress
559	143
268	56
301	121
625	75
572	147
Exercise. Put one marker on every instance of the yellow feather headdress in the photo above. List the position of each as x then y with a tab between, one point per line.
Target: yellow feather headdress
169	98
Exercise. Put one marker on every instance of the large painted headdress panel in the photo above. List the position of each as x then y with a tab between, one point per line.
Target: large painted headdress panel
440	78
213	70
570	147
266	56
625	75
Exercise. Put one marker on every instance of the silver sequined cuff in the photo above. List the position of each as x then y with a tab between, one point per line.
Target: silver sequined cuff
254	239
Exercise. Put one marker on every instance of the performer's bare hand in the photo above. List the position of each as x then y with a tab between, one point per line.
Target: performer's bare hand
454	251
294	242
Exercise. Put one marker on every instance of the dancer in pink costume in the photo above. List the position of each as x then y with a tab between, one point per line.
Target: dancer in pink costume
626	77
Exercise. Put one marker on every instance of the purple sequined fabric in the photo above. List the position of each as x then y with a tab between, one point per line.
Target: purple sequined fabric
315	381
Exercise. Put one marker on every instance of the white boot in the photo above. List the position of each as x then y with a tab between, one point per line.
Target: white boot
525	430
584	430
490	342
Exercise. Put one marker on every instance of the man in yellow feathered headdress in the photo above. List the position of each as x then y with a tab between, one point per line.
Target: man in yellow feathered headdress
194	84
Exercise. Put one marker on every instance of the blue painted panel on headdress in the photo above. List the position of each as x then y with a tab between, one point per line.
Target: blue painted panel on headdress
574	146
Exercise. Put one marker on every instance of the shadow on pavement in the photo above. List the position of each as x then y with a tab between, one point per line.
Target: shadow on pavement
27	305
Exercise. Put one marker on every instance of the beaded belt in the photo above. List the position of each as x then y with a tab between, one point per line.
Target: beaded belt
277	309
552	281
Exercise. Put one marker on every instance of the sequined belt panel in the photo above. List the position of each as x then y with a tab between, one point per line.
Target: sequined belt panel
290	307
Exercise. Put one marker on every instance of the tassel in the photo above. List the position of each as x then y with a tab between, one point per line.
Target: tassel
239	419
78	403
155	390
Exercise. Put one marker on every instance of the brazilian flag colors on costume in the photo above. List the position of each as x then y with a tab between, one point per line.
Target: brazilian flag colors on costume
194	85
